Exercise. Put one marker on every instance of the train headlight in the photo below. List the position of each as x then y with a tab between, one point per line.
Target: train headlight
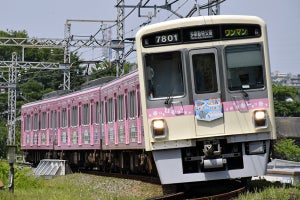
260	119
158	128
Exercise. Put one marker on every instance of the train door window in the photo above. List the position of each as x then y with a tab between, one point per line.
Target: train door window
96	113
164	74
244	67
44	117
64	118
110	110
36	121
132	105
120	109
204	69
74	121
86	114
27	124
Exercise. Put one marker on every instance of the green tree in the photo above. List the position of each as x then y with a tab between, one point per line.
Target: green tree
287	149
282	105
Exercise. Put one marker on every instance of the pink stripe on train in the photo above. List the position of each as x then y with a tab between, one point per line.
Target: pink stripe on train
187	110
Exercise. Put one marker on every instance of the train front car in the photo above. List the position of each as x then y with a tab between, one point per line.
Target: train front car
206	97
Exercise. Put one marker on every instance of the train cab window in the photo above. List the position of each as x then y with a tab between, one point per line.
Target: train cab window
164	74
205	77
86	114
244	67
74	120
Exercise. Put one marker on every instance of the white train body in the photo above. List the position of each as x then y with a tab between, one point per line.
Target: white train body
206	97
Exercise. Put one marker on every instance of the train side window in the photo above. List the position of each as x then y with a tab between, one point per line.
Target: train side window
74	120
64	118
110	110
132	105
96	113
86	114
120	108
27	124
36	121
244	67
102	113
53	119
44	117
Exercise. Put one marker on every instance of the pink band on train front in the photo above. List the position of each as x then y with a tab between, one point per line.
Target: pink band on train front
187	110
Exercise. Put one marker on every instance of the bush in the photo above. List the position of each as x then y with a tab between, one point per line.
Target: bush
287	149
23	176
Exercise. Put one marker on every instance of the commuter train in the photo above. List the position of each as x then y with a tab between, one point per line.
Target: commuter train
198	108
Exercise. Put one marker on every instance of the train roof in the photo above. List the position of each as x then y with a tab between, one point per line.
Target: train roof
200	20
90	86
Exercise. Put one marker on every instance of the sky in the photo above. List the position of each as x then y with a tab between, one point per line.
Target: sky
47	18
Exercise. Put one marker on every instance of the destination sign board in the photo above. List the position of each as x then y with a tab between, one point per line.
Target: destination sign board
204	33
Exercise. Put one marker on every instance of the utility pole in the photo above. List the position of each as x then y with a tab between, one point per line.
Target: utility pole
11	120
120	37
213	7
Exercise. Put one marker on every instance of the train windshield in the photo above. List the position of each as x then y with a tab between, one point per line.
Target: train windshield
164	74
244	67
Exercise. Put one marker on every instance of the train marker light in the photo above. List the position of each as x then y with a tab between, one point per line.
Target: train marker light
260	118
158	128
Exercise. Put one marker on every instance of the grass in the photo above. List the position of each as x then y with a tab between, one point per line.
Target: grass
264	190
76	186
90	187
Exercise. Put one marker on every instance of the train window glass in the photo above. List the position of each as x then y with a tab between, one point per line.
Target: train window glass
120	106
86	137
53	119
43	139
86	114
115	109
102	112
44	117
35	138
97	117
164	74
132	104
244	67
27	124
110	110
205	77
35	121
74	121
64	118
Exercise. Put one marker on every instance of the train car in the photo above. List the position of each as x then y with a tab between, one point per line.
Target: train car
98	126
206	97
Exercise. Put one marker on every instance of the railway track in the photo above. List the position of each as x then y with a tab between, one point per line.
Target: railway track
146	179
182	196
218	190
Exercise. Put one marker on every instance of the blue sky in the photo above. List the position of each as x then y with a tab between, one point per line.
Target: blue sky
46	19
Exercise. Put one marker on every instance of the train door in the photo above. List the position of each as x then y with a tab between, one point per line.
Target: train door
206	91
